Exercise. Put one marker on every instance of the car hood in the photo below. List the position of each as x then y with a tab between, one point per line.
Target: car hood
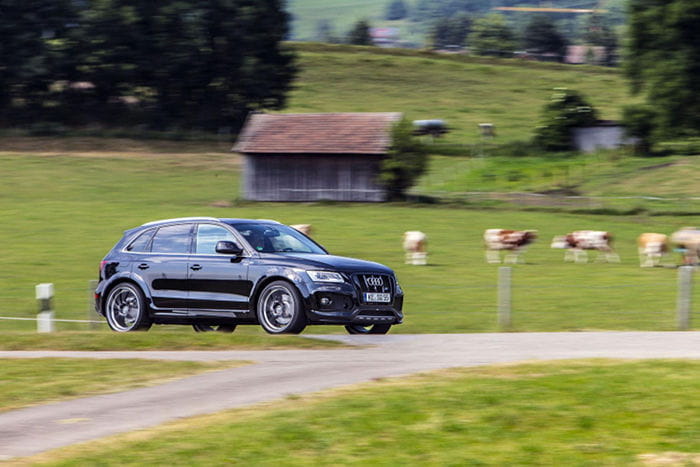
327	262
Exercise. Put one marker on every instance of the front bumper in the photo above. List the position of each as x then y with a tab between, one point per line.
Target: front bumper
341	304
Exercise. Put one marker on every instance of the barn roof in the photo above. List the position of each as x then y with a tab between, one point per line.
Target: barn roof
331	133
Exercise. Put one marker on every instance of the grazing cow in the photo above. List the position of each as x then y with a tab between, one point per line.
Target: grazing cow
306	229
514	242
652	247
578	243
415	244
687	241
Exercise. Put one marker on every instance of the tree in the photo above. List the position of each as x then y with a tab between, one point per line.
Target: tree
32	54
639	123
599	33
663	61
450	31
566	110
395	10
325	32
359	34
542	37
406	160
491	36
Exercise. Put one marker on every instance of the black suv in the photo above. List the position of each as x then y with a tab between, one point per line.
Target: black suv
217	273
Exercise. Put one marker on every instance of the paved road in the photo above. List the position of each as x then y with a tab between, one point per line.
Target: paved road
278	373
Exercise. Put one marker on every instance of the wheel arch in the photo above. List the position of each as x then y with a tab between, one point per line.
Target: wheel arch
268	280
120	280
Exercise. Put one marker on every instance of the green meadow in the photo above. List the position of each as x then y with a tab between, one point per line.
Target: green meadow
591	412
62	213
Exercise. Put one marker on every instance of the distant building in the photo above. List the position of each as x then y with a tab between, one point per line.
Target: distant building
385	37
605	134
313	157
586	54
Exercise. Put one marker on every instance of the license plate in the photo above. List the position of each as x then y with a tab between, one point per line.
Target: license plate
377	297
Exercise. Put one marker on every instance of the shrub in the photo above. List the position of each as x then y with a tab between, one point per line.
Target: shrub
406	161
567	109
639	121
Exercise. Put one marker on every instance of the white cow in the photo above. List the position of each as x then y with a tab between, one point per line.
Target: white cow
415	244
578	243
513	242
652	248
687	240
306	229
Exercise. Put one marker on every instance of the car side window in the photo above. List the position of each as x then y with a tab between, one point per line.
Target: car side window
172	239
141	243
207	237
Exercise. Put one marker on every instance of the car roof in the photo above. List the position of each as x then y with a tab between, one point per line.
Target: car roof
204	218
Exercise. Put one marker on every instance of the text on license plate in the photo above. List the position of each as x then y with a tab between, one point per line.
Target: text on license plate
377	297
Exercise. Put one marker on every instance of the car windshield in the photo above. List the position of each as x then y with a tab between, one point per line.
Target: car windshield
277	238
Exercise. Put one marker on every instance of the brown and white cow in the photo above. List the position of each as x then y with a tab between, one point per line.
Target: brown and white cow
415	244
578	243
687	240
513	242
652	248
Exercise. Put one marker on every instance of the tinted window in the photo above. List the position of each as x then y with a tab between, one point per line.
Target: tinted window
142	242
268	238
172	239
207	237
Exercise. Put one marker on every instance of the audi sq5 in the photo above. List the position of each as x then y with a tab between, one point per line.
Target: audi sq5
215	274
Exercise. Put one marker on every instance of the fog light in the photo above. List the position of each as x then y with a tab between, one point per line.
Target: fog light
325	301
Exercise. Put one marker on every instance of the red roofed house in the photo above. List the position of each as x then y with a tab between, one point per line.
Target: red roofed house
312	157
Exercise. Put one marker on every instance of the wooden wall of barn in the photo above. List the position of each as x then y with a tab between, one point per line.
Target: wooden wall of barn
275	177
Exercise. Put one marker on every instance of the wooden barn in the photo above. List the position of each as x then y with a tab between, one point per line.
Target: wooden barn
312	157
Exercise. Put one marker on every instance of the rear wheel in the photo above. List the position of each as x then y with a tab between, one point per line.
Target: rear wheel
225	328
371	329
280	309
126	309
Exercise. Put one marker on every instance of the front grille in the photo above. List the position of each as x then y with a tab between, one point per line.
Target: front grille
374	283
371	313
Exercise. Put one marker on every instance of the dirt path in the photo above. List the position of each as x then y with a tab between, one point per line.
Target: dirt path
279	373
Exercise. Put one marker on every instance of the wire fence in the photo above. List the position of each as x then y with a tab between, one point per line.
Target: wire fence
531	305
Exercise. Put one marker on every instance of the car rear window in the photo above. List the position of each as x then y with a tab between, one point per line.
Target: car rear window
172	239
142	243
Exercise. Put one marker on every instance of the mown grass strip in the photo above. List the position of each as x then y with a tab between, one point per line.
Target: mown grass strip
176	340
558	413
25	382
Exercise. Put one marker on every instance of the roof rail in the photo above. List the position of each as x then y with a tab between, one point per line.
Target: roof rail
203	218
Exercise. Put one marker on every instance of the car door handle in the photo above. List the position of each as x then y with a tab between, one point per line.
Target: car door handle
195	267
143	266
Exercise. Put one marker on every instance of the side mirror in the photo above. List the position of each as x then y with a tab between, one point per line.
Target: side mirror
226	247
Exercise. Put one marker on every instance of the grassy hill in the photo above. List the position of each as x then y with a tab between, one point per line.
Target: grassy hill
464	91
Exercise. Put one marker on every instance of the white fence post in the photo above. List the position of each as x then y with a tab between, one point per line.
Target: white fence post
44	320
504	297
685	292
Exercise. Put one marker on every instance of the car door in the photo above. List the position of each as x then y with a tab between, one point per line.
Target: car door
217	282
164	268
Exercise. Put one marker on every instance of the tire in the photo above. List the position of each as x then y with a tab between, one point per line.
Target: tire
225	328
280	309
371	329
126	310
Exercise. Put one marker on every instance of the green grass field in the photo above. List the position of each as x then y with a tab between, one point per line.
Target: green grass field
464	91
595	412
63	213
27	382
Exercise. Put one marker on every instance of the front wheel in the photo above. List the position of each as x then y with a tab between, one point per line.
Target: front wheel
125	309
225	328
280	309
372	329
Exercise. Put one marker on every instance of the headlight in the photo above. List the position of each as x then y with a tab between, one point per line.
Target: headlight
325	276
399	290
